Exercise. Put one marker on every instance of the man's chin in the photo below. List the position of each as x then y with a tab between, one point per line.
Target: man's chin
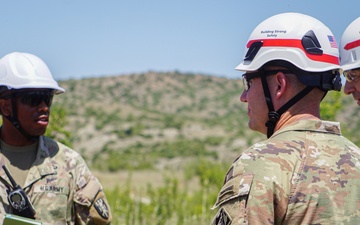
257	128
38	132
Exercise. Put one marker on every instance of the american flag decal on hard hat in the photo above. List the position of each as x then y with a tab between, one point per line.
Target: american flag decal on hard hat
332	41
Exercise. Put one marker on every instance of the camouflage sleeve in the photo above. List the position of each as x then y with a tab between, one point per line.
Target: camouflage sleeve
91	205
232	200
78	196
253	193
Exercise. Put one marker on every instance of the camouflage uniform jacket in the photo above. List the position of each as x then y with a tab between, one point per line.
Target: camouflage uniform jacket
61	188
306	173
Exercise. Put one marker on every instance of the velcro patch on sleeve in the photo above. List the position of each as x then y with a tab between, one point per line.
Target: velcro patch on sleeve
101	208
100	212
87	194
222	218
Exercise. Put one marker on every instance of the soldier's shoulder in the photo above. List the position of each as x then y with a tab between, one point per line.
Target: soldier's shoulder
58	149
283	148
276	156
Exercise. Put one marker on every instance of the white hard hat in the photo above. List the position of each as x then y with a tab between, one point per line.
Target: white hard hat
23	70
294	37
350	46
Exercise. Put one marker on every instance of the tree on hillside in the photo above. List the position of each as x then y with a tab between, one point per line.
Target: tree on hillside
56	128
331	105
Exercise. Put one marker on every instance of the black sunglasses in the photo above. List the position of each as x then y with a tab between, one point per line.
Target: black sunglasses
35	98
249	76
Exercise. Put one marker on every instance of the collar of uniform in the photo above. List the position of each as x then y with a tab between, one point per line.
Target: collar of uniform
43	165
320	126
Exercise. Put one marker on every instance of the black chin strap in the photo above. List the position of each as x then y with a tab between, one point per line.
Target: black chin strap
15	122
274	116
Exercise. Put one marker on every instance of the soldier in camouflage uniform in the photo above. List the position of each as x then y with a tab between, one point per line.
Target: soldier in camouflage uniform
55	178
350	61
306	172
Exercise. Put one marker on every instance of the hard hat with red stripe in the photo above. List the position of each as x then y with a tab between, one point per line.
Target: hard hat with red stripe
299	39
350	46
300	43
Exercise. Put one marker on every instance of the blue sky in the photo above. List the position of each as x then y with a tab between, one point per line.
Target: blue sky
88	38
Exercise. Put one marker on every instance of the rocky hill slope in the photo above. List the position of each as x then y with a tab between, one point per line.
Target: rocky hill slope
161	120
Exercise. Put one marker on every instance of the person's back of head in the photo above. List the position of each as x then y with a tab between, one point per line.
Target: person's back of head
300	45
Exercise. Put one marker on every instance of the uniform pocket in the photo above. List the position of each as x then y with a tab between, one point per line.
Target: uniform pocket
232	200
237	186
87	194
51	202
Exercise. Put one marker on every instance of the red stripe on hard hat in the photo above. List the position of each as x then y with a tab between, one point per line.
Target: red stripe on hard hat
352	45
295	43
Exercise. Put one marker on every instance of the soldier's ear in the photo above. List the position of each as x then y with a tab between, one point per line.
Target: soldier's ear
280	84
5	107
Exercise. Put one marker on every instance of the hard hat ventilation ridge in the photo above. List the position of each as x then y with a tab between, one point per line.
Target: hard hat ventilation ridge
253	50
311	43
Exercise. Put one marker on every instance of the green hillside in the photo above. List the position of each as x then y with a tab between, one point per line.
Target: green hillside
161	142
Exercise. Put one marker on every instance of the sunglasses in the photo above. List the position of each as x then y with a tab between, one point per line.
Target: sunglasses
35	98
352	75
247	77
